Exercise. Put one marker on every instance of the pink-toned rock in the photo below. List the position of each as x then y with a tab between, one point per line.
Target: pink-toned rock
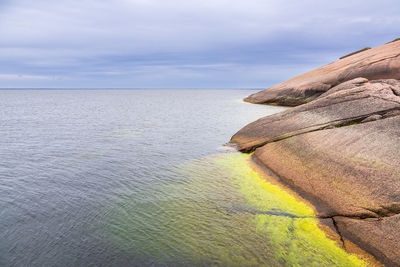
342	152
382	62
352	175
350	102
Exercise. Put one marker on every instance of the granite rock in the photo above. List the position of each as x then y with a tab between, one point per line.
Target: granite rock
381	62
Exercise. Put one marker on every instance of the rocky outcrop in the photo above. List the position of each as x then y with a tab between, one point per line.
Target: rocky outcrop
342	152
381	62
349	103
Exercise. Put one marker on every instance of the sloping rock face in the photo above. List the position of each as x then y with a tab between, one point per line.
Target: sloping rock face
347	103
381	62
342	152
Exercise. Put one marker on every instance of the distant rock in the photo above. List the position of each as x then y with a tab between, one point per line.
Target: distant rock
381	62
342	152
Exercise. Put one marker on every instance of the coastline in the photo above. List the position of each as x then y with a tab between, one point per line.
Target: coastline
288	223
349	172
338	146
326	224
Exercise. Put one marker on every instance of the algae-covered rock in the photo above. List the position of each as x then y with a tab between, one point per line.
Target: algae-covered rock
342	152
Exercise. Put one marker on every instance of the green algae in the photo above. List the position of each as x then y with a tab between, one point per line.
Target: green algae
212	214
296	241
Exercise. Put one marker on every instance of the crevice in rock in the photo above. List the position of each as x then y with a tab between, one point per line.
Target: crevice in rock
388	100
395	92
365	217
276	212
344	124
387	210
339	233
326	126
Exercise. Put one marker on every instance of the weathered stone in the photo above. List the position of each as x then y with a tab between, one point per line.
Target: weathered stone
342	106
342	152
381	62
349	172
379	236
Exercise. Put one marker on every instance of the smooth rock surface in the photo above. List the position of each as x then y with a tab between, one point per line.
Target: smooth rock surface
342	152
340	106
352	175
382	62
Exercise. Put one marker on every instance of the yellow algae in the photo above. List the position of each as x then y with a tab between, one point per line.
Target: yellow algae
219	211
260	193
296	241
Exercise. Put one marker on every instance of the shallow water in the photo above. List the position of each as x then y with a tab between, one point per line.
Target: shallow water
140	177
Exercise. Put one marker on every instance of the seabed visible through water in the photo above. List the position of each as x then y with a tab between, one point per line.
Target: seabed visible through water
227	213
126	177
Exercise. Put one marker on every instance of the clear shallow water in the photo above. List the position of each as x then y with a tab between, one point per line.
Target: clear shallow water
135	177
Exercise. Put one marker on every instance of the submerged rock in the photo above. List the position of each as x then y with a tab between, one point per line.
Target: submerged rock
381	62
342	152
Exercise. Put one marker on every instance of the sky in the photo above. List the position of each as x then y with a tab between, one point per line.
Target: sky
182	44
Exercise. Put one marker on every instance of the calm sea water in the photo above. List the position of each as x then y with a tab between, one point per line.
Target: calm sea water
127	177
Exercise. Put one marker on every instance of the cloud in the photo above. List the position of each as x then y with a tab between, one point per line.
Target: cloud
88	41
13	77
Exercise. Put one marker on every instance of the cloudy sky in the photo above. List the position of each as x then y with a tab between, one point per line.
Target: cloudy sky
182	43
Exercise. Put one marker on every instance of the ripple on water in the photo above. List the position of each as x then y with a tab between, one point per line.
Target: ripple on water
223	213
86	179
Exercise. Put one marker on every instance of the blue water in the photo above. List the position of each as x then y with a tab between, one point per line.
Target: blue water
89	177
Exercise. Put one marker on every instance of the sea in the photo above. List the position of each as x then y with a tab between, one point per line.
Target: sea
143	178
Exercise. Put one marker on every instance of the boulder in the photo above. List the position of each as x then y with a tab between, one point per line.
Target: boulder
348	103
381	62
341	152
352	175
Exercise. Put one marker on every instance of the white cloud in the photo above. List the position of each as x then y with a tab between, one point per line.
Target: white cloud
25	77
46	37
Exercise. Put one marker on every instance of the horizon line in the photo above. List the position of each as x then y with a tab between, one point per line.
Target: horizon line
130	88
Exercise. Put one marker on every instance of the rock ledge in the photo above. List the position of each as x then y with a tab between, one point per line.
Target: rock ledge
341	150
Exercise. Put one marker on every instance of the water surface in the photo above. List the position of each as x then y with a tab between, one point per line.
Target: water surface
138	177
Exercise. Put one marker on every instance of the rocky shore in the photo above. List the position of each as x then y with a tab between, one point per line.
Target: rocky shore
339	146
